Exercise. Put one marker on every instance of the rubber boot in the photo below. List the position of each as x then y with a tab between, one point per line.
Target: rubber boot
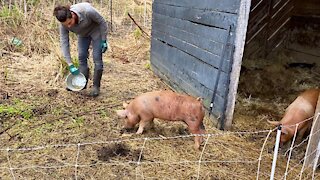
96	83
85	72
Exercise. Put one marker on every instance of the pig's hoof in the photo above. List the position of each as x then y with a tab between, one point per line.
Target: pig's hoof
197	146
140	130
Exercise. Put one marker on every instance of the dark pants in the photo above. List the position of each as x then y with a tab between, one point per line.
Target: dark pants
83	50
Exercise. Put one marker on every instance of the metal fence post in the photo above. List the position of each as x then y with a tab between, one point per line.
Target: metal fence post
275	154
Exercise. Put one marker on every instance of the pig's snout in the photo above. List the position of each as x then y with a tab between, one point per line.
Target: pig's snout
122	113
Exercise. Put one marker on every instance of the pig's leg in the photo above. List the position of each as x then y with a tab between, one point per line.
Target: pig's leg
145	119
151	124
302	132
195	129
197	139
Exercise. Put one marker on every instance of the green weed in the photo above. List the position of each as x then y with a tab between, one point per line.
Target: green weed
137	33
13	17
15	110
78	122
147	65
33	2
104	114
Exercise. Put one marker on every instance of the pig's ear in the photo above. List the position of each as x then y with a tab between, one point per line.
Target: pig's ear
125	104
276	123
122	113
199	99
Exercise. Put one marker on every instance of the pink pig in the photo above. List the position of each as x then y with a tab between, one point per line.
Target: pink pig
302	108
166	105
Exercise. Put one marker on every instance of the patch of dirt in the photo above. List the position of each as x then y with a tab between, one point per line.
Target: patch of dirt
106	153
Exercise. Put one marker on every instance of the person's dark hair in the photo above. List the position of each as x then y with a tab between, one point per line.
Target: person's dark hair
62	13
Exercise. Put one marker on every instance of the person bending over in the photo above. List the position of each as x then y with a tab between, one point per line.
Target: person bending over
91	28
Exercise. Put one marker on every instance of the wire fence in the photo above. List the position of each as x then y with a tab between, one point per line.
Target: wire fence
41	157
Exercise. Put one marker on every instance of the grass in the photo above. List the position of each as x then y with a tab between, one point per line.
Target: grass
13	17
18	108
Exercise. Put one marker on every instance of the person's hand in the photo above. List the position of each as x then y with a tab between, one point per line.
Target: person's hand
73	70
104	46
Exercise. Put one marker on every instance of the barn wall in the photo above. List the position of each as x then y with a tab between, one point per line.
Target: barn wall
268	22
292	23
303	41
193	45
307	8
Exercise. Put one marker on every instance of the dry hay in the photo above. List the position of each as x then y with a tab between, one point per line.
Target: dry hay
268	86
275	77
33	79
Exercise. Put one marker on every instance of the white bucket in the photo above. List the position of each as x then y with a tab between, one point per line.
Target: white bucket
76	82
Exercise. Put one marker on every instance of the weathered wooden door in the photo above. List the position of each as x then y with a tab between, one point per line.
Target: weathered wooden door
197	48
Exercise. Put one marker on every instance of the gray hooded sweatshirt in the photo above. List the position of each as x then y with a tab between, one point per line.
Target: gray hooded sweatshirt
90	23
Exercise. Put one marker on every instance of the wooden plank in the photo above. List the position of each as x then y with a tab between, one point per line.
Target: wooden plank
193	50
203	17
279	24
178	75
195	40
276	3
260	27
230	6
301	21
199	54
307	8
259	8
254	49
270	26
237	60
314	139
280	5
258	21
190	66
255	4
277	15
278	36
295	46
261	34
303	57
211	33
283	23
312	51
